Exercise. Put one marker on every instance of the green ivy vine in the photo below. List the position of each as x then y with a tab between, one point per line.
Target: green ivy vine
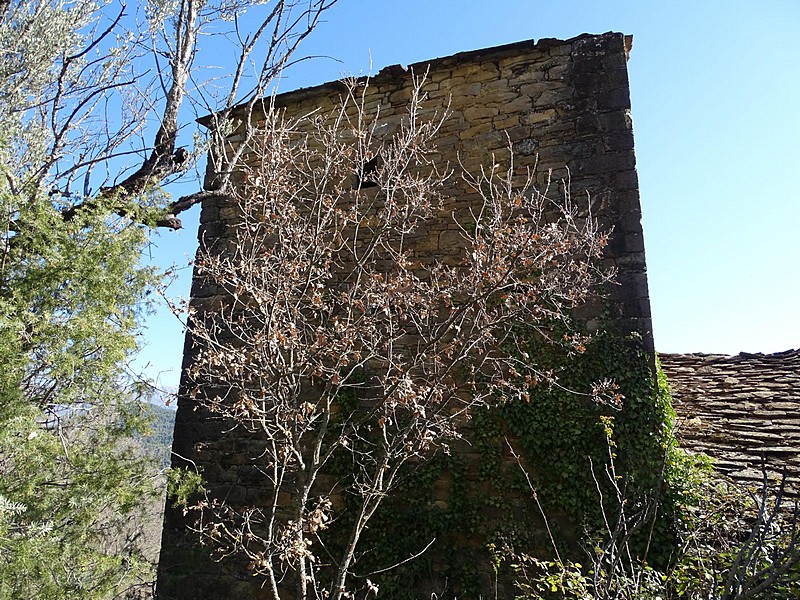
478	500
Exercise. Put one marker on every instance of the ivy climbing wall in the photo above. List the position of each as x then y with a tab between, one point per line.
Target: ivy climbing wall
564	108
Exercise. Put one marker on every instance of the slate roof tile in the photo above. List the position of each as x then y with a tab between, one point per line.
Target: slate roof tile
738	409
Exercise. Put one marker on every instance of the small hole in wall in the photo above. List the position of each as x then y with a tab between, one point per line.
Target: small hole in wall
364	176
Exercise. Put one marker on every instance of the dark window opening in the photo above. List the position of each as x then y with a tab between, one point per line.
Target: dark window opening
365	174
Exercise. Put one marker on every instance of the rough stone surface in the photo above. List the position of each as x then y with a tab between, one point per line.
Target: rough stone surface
742	410
563	105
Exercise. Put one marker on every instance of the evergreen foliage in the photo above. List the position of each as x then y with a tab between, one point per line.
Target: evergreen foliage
70	476
70	296
157	439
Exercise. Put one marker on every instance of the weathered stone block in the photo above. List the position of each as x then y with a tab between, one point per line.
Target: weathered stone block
506	123
466	89
614	99
521	104
480	113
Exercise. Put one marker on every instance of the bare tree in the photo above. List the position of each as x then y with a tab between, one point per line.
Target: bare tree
734	543
751	546
332	335
99	93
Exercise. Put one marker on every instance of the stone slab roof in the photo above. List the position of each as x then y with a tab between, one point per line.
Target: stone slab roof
738	409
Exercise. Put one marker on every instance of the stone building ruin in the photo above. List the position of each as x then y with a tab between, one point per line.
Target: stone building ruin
741	410
565	108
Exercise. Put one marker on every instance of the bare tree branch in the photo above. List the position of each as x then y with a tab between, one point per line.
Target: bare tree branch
98	69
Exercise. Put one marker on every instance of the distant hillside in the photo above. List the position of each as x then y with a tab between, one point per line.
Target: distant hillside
146	522
158	440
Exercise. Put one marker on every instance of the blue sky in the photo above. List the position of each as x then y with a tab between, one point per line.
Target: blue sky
715	91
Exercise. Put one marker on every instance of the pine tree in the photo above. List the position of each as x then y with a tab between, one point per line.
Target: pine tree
70	299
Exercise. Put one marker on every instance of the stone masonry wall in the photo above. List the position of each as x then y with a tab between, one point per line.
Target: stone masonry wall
564	107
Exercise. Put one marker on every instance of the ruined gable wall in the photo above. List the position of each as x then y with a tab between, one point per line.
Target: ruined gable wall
565	108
